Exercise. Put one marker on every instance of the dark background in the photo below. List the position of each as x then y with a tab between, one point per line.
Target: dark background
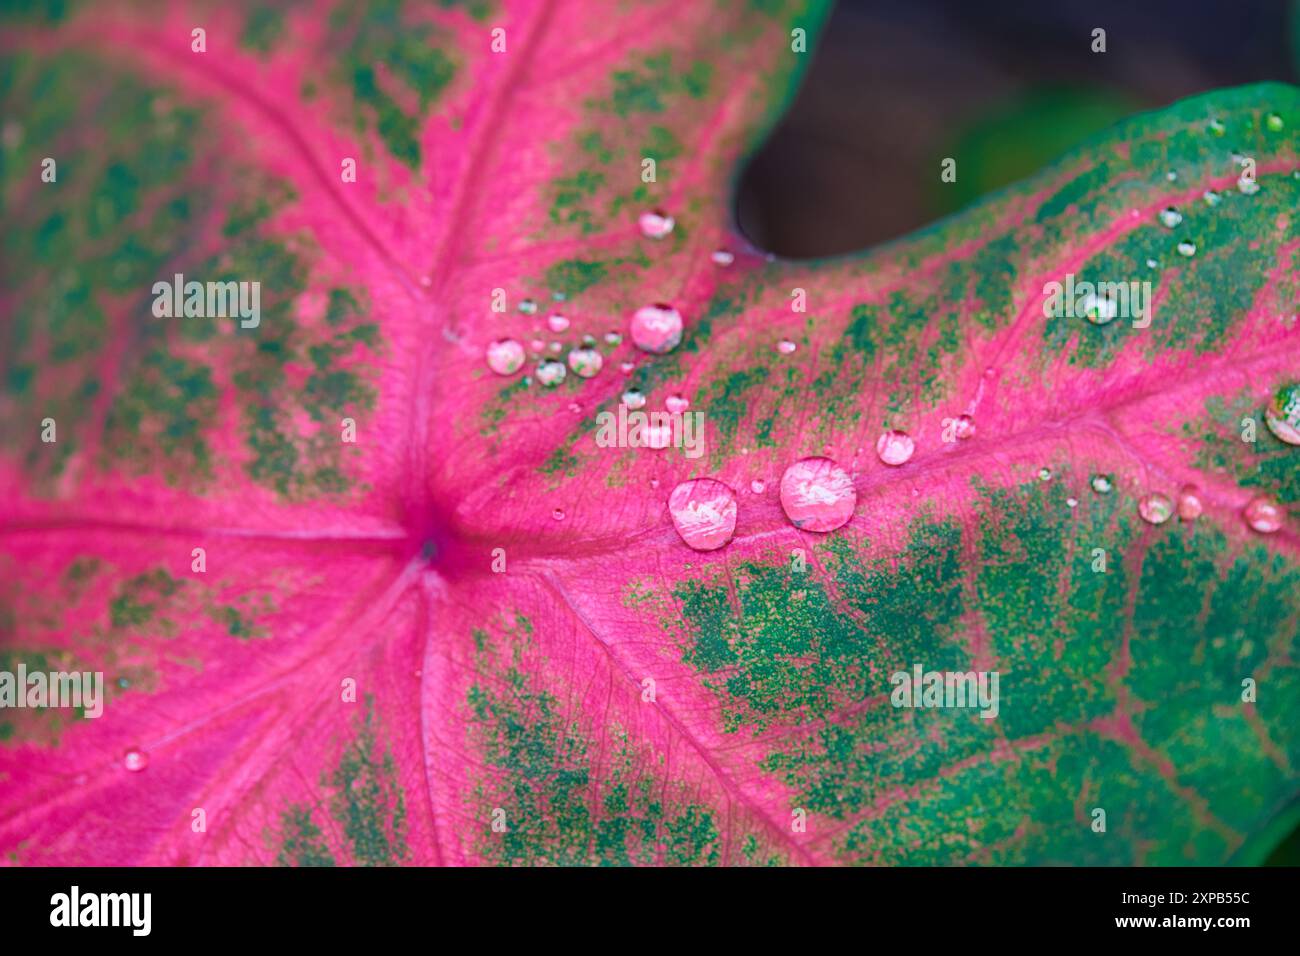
1004	87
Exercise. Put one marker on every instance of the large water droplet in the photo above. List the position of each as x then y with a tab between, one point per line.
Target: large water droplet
676	404
1263	514
1215	126
703	512
1190	505
1155	508
557	322
655	224
1186	248
1098	309
585	362
1283	413
817	494
1170	217
505	356
1044	474
657	328
895	447
1101	484
135	760
550	372
1273	123
634	398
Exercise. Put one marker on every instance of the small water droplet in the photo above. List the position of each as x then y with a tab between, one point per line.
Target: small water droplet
527	306
676	404
1211	197
585	362
1171	176
559	296
1098	309
550	372
1273	123
1170	217
634	398
613	338
1263	514
723	257
817	494
558	514
1155	508
1072	502
1190	505
505	356
1215	126
1101	484
1186	248
655	224
704	513
758	486
1283	413
654	482
786	347
626	367
555	347
657	328
1152	264
557	322
895	447
963	427
1247	186
575	407
1044	474
135	760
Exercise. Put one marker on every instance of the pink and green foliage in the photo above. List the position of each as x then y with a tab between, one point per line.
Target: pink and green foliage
526	689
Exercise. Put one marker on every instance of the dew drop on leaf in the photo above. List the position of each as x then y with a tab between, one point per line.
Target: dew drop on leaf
557	322
723	257
505	356
1155	508
1186	248
1247	186
527	306
1263	514
135	760
1273	122
1211	197
1283	413
657	328
758	486
786	347
1190	505
558	514
1170	217
964	427
1102	484
817	494
634	398
895	447
550	372
703	512
1044	474
613	338
655	224
1098	309
585	362
677	403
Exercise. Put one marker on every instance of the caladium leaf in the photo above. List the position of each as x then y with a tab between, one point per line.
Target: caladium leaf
360	599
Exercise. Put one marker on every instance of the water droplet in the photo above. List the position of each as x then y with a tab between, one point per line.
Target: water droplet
555	347
1190	505
1247	186
654	482
817	494
1211	197
559	296
1186	248
634	398
613	338
723	257
1273	123
963	427
1283	413
1171	176
1170	217
657	436
677	403
575	407
786	347
657	328
557	322
558	514
1072	502
895	447
537	345
655	224
1263	514
585	362
527	306
1099	310
626	367
1101	484
1044	474
135	760
1155	508
758	486
704	513
550	372
505	356
1215	126
1152	264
